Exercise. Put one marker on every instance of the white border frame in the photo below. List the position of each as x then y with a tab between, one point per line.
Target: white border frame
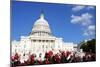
5	32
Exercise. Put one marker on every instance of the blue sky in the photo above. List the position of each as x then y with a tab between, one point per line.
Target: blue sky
74	23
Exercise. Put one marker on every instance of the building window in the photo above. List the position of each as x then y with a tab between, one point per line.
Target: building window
43	46
46	46
34	40
43	40
39	40
47	40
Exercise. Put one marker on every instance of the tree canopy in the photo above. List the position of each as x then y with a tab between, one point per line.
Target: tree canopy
89	46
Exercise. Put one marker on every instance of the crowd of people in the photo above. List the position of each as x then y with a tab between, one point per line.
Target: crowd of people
51	58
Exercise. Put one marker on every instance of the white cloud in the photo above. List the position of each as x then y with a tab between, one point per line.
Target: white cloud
91	27
90	7
90	30
78	8
84	19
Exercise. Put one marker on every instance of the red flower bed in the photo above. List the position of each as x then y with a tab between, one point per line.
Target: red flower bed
32	59
47	61
51	58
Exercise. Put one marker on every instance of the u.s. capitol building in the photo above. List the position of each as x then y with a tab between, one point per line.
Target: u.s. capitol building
40	41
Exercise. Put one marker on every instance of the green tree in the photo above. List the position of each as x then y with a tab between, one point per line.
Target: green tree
89	46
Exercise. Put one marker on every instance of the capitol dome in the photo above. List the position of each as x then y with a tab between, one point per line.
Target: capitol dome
41	27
